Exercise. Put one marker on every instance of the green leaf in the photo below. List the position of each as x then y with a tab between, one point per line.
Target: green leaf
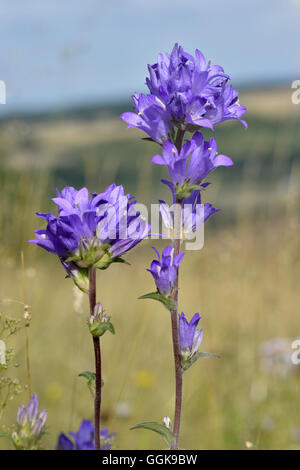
98	329
159	428
199	355
91	379
166	301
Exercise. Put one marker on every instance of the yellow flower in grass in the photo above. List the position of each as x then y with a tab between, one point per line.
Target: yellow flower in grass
144	378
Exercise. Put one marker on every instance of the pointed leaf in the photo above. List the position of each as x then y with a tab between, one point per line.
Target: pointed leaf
90	376
91	379
199	355
166	301
159	428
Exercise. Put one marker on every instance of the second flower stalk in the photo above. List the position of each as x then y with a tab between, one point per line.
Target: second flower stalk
98	366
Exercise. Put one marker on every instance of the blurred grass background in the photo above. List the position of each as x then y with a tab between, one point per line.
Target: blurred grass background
244	282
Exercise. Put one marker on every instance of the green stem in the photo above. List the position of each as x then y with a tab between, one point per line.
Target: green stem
97	352
174	313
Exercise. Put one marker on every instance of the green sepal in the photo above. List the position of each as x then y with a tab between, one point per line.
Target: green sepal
91	379
96	256
80	279
165	300
120	260
103	262
186	190
90	258
200	355
159	428
99	328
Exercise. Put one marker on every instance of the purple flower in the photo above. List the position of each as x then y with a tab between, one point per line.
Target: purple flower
151	116
185	92
30	425
84	438
91	231
189	337
193	214
195	161
164	270
30	415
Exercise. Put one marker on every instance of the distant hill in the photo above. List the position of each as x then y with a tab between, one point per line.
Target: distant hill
260	99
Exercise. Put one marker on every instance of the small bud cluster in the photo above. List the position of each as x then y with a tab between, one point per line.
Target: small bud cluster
98	315
99	322
30	425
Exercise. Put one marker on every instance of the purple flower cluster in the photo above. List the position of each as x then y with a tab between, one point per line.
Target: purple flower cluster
194	162
186	92
189	337
164	270
29	416
84	438
91	231
30	425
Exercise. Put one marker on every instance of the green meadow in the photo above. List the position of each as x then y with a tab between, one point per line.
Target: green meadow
244	282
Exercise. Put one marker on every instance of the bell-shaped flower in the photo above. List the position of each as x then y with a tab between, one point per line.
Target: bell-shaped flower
164	269
83	439
193	216
192	164
189	337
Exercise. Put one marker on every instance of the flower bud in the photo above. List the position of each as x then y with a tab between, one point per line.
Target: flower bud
98	311
40	423
21	415
80	276
30	425
33	408
167	422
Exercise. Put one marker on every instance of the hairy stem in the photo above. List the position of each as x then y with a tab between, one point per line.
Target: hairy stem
174	313
97	351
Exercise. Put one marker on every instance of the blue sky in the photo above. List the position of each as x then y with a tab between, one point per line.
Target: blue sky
58	53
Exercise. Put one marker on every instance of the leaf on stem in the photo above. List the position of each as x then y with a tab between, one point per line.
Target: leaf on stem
199	355
159	428
166	301
91	379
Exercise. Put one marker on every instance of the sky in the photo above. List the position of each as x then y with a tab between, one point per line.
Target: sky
61	53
